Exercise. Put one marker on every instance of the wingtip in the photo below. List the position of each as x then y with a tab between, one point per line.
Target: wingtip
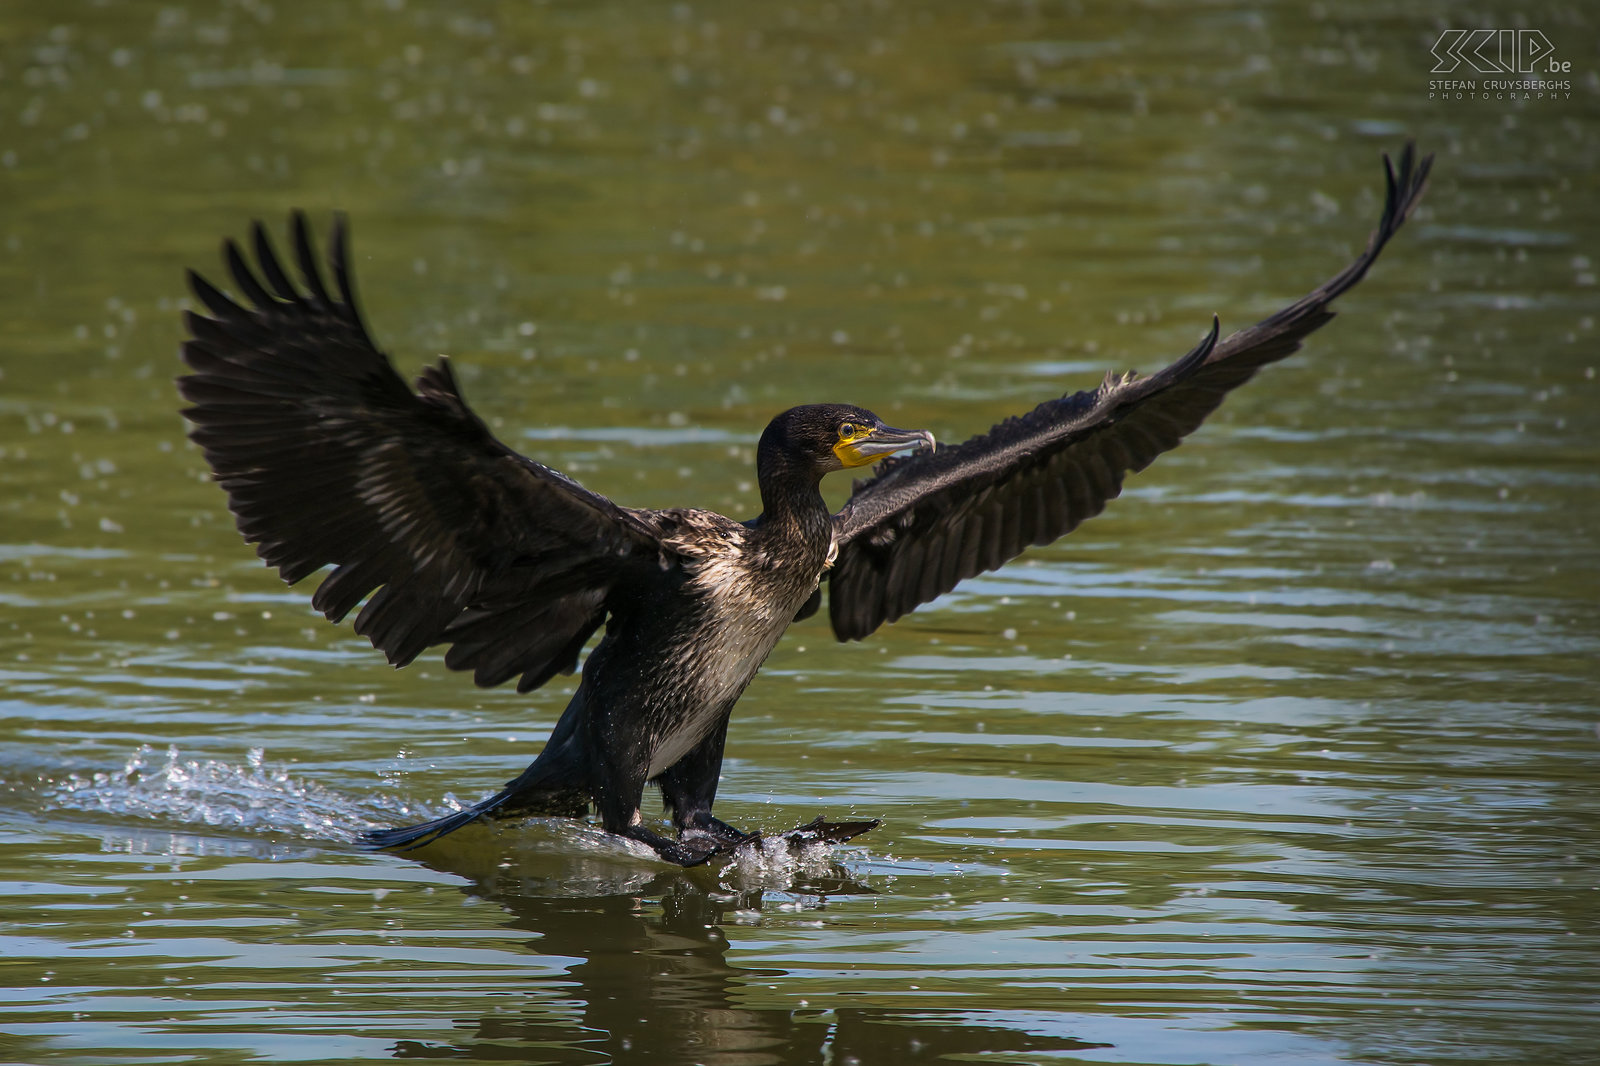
1202	351
338	239
306	254
1404	184
1391	198
300	228
343	275
1419	181
339	255
220	306
243	276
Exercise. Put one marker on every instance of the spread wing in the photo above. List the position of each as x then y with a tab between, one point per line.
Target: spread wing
329	459
930	520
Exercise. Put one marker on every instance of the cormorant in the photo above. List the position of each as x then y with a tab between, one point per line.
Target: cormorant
329	459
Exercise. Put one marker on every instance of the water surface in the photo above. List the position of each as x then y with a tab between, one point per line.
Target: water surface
1290	756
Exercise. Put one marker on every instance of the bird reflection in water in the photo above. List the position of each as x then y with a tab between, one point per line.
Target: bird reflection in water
654	982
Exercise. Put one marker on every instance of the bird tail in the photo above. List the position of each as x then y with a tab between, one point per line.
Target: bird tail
547	787
408	837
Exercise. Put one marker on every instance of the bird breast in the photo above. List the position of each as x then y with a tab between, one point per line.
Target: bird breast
748	603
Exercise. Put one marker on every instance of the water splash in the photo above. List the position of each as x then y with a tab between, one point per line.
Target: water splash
774	865
164	790
256	797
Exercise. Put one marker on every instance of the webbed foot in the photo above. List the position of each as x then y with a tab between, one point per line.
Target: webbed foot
692	847
818	831
705	837
704	823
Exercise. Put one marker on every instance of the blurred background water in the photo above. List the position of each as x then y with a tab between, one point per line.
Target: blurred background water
1290	756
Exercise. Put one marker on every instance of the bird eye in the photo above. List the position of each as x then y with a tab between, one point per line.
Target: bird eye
849	431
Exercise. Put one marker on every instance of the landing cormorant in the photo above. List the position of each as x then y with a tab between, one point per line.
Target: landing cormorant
329	459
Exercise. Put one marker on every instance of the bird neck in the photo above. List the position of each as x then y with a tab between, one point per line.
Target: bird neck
791	500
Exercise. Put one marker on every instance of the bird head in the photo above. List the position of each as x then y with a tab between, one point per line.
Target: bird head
823	437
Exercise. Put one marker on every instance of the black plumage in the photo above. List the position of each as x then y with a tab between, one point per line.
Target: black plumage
450	537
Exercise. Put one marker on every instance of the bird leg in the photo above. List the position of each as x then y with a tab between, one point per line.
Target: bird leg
619	780
689	787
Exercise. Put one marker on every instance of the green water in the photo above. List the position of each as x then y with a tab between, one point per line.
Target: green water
1288	757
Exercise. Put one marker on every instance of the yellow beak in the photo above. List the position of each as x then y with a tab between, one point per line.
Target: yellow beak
879	442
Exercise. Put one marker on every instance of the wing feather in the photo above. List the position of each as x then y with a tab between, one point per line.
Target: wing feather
330	460
930	520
